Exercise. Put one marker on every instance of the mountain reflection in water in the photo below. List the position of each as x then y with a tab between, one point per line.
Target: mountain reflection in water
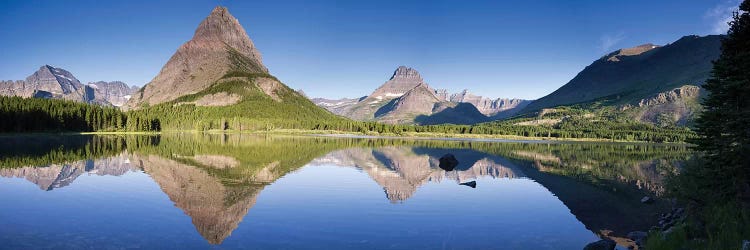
216	179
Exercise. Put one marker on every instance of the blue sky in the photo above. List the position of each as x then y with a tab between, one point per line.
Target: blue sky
523	49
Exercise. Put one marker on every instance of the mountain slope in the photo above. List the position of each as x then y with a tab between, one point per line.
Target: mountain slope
219	46
628	75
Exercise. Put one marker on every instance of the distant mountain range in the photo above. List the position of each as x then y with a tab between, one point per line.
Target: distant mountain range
406	99
51	82
219	74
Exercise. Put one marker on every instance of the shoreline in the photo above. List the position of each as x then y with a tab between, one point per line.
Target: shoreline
342	134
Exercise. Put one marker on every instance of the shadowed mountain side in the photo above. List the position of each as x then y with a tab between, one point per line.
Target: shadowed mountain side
606	211
628	75
460	113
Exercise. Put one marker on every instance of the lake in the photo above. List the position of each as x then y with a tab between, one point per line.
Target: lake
241	191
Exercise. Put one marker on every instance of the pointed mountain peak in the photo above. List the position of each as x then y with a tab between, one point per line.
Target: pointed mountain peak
406	72
220	45
221	26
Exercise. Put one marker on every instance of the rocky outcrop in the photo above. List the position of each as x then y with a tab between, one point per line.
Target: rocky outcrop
678	106
220	45
687	91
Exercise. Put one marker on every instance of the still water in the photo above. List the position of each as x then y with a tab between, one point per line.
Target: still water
184	191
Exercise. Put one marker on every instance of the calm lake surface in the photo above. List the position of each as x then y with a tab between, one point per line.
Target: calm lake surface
178	191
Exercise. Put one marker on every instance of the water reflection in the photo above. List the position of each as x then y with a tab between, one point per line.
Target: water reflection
51	176
217	179
402	170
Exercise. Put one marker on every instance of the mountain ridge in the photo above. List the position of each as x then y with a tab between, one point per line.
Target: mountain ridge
628	75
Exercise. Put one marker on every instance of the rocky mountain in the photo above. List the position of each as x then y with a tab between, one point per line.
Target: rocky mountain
48	82
402	80
337	106
629	75
51	82
404	99
678	106
116	93
500	108
219	46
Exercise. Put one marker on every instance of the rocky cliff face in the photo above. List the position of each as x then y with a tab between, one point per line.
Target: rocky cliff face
678	106
220	45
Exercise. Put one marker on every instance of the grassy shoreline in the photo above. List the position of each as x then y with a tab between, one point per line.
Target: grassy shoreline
335	133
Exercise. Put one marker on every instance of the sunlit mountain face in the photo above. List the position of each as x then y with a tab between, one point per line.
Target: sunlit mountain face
283	191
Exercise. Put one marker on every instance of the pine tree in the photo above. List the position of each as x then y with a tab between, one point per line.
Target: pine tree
724	126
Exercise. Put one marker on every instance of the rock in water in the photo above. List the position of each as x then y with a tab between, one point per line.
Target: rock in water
647	200
605	244
448	162
472	184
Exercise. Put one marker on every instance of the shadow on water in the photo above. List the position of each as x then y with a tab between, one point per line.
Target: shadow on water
216	178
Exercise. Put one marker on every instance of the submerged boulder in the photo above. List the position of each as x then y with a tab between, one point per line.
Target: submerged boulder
605	244
448	162
472	184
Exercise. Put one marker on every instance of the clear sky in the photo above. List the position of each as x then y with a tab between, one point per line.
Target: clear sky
524	49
